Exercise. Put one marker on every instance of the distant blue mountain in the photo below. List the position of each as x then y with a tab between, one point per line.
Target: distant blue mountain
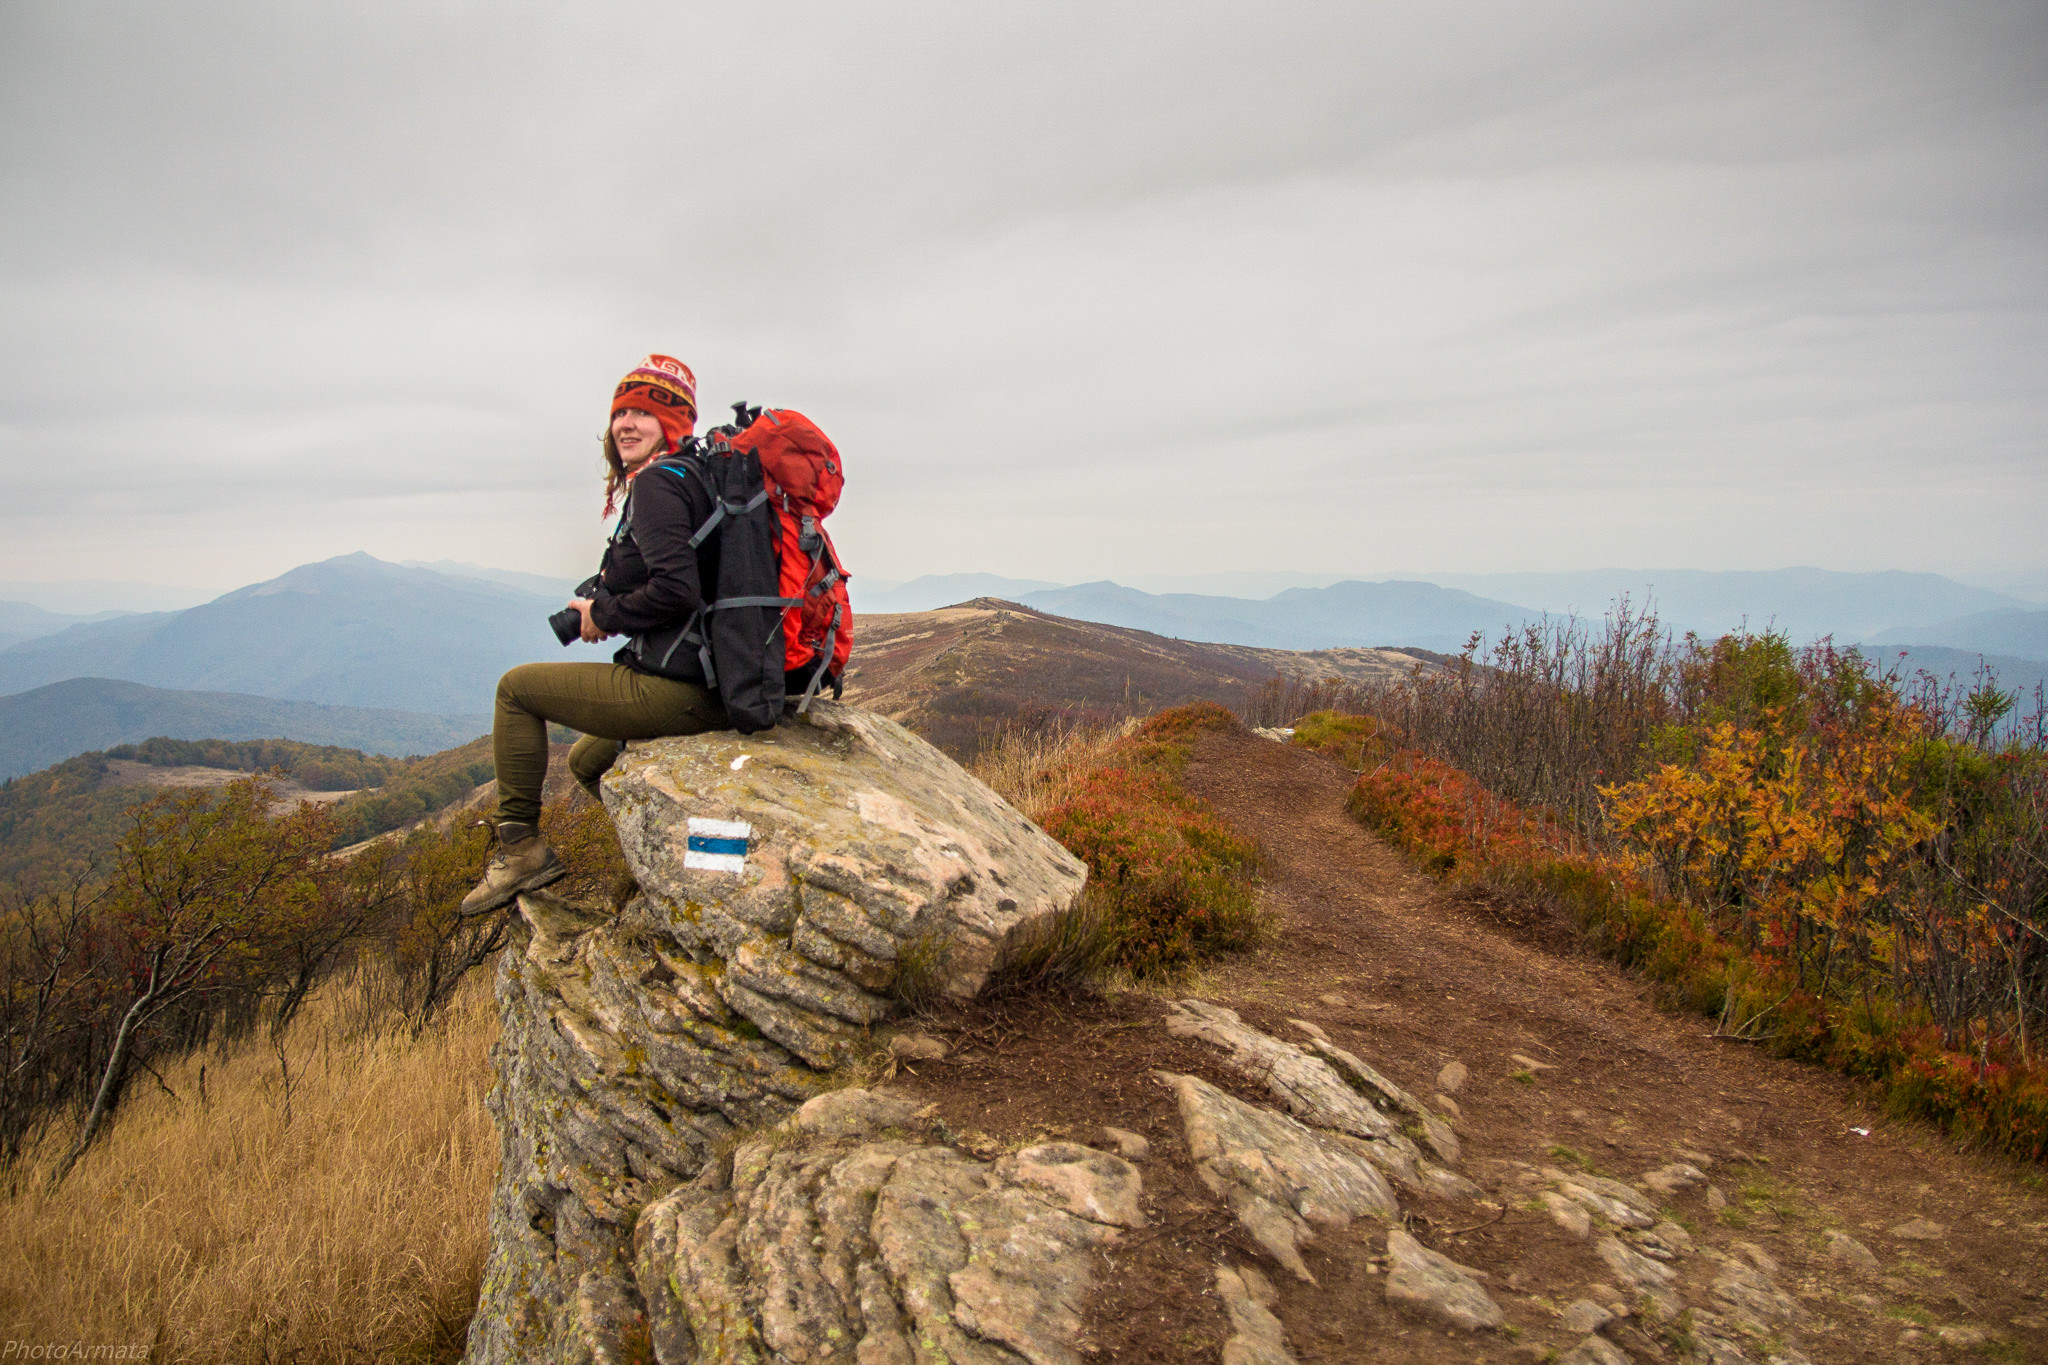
2018	632
937	590
540	585
356	631
49	724
1803	603
350	631
1181	615
1350	613
21	621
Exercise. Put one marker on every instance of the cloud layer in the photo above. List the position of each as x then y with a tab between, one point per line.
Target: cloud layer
1082	291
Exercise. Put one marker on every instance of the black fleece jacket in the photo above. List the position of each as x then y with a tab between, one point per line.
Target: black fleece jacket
651	578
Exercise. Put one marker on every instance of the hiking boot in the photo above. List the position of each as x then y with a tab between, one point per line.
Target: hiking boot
523	862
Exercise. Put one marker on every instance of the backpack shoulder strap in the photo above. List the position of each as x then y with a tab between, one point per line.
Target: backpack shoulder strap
682	464
726	502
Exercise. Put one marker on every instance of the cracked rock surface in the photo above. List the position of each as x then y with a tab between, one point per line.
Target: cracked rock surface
1347	1097
1282	1180
874	1250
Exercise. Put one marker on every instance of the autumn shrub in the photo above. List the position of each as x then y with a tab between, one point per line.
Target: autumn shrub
1846	867
1356	741
1171	883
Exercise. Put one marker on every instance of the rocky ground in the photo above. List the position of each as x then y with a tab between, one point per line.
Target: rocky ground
1421	1127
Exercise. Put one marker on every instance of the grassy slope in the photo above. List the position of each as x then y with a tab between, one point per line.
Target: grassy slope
340	1218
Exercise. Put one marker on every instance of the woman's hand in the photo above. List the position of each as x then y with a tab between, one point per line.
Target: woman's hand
591	633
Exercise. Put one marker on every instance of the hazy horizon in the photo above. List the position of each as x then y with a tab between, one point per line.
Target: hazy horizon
1082	292
89	597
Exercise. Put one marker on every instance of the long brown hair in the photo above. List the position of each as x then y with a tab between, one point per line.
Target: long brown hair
615	468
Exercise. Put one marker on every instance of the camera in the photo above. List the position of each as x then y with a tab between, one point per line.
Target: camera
568	622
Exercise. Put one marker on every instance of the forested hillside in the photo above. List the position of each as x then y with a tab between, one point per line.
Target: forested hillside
60	823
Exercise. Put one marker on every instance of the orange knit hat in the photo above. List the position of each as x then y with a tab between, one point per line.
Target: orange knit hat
664	386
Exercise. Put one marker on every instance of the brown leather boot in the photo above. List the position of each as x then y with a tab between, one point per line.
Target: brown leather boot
523	862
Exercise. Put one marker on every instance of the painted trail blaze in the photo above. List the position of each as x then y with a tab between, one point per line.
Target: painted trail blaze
717	845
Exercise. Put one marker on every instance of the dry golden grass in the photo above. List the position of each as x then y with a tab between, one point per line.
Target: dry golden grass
1036	770
346	1225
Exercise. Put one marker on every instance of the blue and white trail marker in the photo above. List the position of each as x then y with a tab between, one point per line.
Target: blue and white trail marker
717	845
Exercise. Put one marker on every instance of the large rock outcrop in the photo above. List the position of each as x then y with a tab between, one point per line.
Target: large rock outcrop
841	1240
794	886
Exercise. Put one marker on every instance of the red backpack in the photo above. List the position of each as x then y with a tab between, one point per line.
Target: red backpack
779	626
802	474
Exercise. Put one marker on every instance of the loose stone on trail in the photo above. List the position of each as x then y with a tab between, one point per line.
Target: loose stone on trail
1304	1083
1753	1299
1129	1145
917	1047
1437	1287
1452	1078
1595	1350
1568	1214
1256	1337
1672	1179
1282	1180
1671	1237
1347	1101
1919	1230
1609	1200
1851	1253
1653	1279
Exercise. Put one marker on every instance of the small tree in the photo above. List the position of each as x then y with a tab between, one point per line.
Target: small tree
47	990
438	945
206	886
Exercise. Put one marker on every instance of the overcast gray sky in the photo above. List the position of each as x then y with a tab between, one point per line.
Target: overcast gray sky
1081	291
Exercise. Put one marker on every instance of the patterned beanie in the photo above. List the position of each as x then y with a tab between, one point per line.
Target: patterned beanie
664	386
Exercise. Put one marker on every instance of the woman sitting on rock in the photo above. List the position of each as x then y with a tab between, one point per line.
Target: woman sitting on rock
650	584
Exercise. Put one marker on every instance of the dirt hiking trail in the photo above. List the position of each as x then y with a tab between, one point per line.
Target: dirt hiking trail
1829	1245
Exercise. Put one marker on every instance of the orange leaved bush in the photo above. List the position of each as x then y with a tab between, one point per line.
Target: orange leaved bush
1172	882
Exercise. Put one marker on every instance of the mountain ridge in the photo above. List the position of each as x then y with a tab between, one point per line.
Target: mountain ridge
1352	614
60	720
347	631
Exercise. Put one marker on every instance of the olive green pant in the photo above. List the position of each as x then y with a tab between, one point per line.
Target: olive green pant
608	703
